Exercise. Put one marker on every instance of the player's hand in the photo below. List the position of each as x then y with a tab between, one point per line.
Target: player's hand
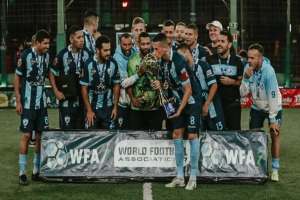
172	100
114	113
205	109
208	51
153	103
248	73
275	127
90	116
135	102
177	114
19	108
141	71
156	84
226	80
59	95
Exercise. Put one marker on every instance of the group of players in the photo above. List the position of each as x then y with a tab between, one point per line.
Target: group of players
204	85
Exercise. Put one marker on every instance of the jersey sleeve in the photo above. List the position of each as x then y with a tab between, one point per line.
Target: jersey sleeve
56	65
181	70
21	64
244	87
272	94
116	73
208	74
84	79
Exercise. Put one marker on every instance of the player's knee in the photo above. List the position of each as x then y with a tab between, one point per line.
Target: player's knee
192	136
26	136
177	134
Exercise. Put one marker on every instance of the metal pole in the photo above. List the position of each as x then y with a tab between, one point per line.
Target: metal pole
288	46
233	22
60	36
145	11
98	10
3	45
193	14
242	24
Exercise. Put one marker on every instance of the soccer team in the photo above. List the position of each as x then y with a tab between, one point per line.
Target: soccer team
204	84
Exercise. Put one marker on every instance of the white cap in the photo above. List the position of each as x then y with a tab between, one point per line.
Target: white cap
216	24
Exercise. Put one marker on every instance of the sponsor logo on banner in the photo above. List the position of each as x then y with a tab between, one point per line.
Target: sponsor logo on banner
214	156
56	153
148	153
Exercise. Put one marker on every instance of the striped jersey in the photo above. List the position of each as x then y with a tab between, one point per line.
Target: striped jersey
177	73
100	79
68	62
33	69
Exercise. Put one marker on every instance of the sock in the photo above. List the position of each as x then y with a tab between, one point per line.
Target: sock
22	163
36	163
194	151
33	135
179	156
275	164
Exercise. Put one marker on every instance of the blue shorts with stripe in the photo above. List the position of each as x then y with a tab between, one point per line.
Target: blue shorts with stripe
190	118
34	120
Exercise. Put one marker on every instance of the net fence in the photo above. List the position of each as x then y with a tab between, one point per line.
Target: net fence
258	21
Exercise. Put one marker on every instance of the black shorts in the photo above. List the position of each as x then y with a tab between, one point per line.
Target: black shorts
34	120
71	118
257	118
190	118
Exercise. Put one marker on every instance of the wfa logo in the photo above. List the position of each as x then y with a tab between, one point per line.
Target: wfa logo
56	152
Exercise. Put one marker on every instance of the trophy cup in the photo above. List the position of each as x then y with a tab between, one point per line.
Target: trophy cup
150	62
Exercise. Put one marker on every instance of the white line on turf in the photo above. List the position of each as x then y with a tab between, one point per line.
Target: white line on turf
147	191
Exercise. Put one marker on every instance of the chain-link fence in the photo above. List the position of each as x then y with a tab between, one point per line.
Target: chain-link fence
262	21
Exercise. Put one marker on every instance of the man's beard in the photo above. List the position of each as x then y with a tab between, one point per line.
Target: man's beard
144	52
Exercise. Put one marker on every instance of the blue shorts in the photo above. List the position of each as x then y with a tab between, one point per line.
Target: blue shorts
103	120
71	118
34	120
190	118
258	117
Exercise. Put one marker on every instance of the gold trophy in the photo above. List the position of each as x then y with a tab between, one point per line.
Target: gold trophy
150	62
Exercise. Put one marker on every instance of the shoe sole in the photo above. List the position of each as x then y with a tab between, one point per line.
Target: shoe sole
174	186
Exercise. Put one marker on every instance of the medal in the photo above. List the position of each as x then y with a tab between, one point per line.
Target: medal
166	85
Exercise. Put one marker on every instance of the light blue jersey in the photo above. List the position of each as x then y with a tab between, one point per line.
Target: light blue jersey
33	68
264	90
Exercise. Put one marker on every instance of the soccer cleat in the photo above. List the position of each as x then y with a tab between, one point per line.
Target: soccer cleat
32	143
191	185
275	176
179	182
36	177
23	179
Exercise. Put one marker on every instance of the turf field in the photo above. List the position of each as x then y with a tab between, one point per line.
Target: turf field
286	188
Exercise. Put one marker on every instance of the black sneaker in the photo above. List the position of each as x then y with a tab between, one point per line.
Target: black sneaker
36	177
32	143
23	179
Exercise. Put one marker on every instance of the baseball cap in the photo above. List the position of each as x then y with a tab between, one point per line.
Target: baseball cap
216	24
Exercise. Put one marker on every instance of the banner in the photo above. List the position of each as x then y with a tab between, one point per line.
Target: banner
136	155
290	98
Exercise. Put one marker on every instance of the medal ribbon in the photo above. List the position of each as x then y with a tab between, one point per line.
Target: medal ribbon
101	72
227	63
39	63
76	61
258	82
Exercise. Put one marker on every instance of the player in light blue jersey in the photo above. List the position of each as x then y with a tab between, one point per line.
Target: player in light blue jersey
123	53
213	117
260	81
179	77
69	62
99	82
31	105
